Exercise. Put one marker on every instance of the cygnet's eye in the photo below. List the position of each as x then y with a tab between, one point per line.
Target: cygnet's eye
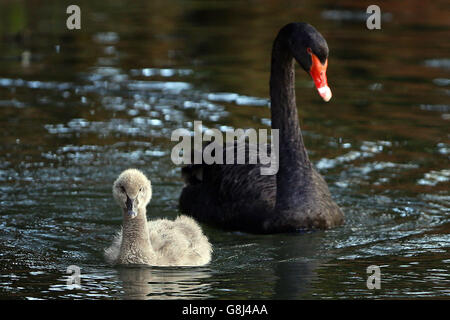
141	189
122	189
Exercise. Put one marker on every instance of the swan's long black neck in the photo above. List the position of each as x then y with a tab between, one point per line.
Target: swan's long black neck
294	165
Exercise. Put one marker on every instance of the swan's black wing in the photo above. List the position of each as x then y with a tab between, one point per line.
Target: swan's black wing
232	196
239	197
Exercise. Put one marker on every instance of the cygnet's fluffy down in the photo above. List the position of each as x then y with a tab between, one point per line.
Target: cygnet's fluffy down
159	242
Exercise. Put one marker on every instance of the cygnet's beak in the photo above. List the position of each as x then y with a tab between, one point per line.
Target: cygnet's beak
130	211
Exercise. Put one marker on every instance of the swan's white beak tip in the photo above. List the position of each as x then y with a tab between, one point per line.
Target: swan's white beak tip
325	93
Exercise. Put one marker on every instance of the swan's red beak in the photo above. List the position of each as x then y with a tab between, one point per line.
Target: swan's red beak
318	72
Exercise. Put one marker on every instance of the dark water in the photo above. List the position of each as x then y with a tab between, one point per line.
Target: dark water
77	107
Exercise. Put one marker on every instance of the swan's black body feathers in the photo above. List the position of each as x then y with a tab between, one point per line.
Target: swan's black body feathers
238	197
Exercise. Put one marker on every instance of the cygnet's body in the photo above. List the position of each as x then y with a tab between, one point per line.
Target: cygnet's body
158	243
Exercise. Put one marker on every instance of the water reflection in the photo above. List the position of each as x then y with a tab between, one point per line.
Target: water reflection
294	269
165	283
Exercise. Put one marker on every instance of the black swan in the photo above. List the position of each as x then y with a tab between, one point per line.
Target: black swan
237	196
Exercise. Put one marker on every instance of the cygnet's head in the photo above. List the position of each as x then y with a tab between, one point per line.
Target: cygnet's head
132	191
